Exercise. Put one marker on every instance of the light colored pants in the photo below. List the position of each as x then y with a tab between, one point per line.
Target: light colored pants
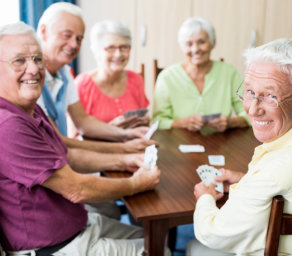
105	237
195	248
109	209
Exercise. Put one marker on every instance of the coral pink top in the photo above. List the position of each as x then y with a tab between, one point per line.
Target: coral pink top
106	108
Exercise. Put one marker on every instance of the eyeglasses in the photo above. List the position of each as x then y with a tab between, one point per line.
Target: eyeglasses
20	63
267	100
124	48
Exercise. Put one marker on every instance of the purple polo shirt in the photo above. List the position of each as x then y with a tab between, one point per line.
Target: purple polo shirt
32	216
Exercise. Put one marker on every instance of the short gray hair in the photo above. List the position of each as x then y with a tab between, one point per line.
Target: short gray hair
107	27
278	52
52	13
193	26
17	28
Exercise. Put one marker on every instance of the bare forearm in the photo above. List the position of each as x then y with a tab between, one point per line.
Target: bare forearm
79	188
85	161
99	189
93	128
97	146
178	123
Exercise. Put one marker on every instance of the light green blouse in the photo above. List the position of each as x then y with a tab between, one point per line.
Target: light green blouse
176	95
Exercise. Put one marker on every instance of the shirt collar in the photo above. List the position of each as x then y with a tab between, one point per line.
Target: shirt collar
282	141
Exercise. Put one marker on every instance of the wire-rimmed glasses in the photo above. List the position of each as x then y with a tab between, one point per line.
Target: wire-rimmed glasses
247	96
20	62
124	48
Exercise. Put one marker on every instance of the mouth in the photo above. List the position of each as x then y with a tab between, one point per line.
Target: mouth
261	123
31	82
69	53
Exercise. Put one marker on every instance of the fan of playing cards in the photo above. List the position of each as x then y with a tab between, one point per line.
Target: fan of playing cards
150	156
207	174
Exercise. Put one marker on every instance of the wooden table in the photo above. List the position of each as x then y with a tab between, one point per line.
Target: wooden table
172	203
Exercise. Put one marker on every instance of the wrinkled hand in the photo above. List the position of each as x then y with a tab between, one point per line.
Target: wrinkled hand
228	178
130	122
201	189
220	123
193	122
133	161
133	133
138	145
145	179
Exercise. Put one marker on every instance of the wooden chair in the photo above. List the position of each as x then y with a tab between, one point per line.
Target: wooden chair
279	224
156	70
142	71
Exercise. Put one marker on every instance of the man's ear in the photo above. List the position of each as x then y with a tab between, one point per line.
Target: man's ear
43	34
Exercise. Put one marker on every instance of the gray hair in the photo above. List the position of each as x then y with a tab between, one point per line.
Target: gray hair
107	27
193	26
52	13
278	52
16	29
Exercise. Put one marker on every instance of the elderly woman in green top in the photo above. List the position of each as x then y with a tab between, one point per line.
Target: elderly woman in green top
186	92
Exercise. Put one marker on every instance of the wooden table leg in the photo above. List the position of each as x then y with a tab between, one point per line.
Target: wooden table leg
154	237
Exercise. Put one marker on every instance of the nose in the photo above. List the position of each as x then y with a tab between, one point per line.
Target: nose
32	67
254	107
194	47
74	42
117	52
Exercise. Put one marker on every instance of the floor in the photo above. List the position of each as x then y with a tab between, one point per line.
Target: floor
184	234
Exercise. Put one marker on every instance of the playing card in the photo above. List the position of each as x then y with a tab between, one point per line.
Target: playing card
150	156
207	174
139	112
191	148
151	130
208	118
216	160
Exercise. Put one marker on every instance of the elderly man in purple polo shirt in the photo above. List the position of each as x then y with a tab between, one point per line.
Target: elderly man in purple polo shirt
40	195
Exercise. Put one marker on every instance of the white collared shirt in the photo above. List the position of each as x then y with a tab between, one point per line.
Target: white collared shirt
55	84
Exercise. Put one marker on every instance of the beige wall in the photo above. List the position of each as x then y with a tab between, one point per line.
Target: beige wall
234	21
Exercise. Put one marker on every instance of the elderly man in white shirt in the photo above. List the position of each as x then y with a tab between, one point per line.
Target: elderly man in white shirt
240	226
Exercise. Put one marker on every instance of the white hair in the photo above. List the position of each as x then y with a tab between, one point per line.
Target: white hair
193	26
107	27
16	29
278	52
52	13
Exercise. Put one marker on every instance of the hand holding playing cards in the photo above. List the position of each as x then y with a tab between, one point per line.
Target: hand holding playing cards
220	123
201	189
228	178
130	122
133	133
138	145
143	179
132	161
192	123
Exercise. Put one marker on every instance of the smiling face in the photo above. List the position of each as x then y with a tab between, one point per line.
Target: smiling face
117	59
22	88
61	41
197	48
266	79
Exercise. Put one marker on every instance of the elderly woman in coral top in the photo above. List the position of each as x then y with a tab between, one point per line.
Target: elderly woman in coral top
109	91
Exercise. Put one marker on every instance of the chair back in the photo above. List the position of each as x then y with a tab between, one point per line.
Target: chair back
142	71
279	224
156	70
